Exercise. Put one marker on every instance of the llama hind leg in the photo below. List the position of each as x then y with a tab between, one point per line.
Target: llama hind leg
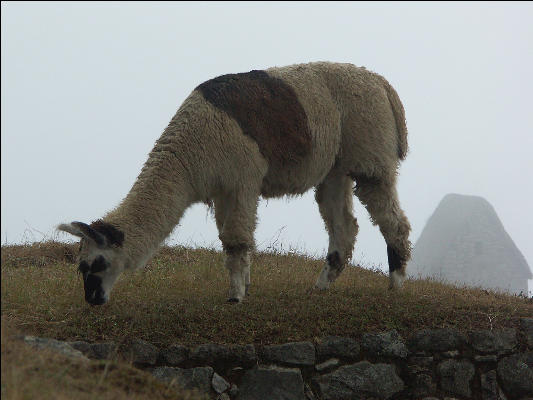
381	200
236	224
334	198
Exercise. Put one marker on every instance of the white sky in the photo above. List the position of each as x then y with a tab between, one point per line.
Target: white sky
87	88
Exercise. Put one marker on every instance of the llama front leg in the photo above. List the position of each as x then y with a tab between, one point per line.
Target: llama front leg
238	265
331	271
236	216
334	198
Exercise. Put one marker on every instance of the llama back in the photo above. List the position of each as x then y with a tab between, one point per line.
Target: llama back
303	119
293	121
354	108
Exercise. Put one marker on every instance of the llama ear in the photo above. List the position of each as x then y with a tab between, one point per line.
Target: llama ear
83	230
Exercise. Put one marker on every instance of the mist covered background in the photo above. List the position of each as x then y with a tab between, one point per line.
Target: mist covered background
87	88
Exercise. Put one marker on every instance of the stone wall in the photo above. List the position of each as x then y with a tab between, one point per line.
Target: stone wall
430	364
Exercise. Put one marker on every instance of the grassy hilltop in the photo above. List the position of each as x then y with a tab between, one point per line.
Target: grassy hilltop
180	297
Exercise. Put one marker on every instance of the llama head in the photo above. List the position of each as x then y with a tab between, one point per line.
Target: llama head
100	257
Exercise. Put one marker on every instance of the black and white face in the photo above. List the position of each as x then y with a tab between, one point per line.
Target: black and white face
99	273
99	258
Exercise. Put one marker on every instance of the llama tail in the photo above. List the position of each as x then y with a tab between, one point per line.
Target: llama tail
399	116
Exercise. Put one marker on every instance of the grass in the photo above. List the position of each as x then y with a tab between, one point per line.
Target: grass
29	374
181	298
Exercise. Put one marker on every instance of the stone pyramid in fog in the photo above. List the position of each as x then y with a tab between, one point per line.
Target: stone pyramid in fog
465	242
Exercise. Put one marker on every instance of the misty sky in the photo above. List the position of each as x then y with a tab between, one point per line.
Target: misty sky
87	88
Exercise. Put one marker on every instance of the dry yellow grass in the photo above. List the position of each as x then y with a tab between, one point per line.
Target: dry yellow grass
29	374
181	298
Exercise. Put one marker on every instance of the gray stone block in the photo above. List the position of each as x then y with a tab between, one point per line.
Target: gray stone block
82	346
56	346
489	387
174	355
219	384
436	340
338	347
224	357
455	377
387	344
501	341
192	378
141	352
297	354
516	374
272	383
362	380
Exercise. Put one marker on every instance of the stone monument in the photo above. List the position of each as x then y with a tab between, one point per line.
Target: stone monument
464	242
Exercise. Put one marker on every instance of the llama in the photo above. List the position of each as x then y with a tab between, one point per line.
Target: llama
274	132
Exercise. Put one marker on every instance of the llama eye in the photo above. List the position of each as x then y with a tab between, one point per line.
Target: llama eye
98	265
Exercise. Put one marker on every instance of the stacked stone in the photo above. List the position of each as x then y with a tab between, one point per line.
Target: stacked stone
431	364
483	364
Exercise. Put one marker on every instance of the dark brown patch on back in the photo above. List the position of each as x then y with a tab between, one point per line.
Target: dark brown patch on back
267	109
113	235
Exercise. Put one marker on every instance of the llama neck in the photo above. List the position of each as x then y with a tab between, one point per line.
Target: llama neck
165	188
152	208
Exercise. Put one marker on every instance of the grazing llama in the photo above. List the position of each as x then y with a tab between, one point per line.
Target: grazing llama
267	133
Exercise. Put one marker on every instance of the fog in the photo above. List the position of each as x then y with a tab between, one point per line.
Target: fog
87	88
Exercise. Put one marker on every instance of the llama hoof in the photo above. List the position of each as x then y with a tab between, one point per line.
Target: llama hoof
233	300
396	280
323	282
319	288
246	290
